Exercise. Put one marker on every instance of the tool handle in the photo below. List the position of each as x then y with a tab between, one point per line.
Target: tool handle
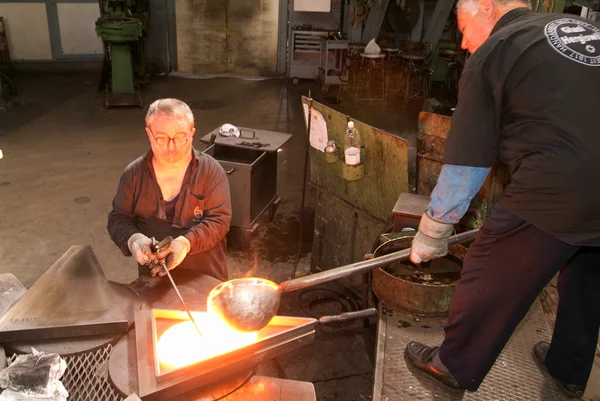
362	266
348	316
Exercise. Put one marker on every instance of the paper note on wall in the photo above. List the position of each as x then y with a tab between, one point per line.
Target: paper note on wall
323	6
318	129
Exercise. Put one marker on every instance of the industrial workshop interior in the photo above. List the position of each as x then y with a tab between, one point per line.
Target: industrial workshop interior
223	199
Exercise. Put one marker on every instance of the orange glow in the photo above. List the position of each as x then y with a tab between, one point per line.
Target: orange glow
255	266
181	345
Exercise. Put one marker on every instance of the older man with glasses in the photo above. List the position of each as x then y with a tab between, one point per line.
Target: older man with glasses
173	190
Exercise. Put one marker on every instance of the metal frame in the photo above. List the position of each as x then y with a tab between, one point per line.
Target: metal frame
171	35
54	28
417	32
74	330
296	325
379	355
282	39
438	21
514	375
87	375
294	334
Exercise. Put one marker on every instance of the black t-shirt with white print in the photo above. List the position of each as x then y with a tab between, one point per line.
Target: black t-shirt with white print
530	97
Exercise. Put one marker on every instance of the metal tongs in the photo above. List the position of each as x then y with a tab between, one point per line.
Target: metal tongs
163	248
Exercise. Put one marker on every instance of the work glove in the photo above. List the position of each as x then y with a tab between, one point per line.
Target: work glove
431	240
179	249
139	246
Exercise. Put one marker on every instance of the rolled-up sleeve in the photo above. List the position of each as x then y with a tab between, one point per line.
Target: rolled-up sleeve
455	188
217	211
121	220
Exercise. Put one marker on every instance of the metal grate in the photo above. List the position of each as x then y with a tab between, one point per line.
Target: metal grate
206	104
514	376
86	377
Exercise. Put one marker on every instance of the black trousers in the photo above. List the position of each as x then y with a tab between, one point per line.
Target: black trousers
505	269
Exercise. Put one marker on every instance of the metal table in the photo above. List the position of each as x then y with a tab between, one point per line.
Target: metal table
514	376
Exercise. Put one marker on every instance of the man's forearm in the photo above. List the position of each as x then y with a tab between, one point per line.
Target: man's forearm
208	234
120	227
455	188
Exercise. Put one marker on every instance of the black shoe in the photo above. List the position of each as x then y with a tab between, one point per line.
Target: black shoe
421	357
539	355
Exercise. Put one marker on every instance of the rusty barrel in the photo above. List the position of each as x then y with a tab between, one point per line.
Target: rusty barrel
410	292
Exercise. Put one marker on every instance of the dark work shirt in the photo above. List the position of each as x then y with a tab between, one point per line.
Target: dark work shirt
202	212
530	97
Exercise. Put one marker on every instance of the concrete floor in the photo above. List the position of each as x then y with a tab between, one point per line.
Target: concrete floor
64	154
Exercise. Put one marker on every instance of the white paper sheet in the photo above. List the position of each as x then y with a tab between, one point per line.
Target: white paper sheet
323	6
318	129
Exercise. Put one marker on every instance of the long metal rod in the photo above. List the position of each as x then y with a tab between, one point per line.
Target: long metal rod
304	180
363	266
164	265
347	316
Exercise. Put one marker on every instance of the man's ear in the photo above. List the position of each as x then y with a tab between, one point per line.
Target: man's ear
486	8
148	133
193	131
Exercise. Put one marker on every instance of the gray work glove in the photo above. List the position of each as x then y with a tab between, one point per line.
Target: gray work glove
139	246
431	240
179	249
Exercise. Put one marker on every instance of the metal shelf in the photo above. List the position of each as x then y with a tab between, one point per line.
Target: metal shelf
305	53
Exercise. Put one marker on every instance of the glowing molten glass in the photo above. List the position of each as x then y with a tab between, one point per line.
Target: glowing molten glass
181	345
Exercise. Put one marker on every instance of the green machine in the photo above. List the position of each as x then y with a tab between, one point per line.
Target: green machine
122	25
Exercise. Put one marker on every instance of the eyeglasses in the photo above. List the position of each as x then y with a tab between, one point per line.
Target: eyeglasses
165	140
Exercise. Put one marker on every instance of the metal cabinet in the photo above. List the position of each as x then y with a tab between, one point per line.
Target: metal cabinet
252	179
305	54
250	162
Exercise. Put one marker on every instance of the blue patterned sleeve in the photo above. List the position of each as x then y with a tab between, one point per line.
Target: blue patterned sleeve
455	188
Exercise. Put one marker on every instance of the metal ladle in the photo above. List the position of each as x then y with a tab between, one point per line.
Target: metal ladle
249	304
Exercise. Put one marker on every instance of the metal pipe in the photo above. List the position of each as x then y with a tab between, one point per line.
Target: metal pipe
362	266
304	181
347	316
187	310
248	304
